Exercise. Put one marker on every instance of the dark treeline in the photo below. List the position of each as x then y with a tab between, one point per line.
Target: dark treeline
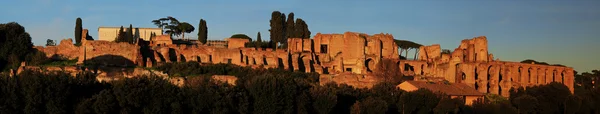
256	91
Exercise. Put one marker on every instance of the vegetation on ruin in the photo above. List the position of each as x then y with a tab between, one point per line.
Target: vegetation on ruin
405	46
50	42
261	91
241	36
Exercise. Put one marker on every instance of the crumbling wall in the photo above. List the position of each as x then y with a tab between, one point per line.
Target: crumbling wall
109	53
63	51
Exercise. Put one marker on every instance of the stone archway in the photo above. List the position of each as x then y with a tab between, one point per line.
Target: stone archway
370	65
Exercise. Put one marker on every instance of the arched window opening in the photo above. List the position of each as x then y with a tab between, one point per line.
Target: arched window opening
499	90
476	74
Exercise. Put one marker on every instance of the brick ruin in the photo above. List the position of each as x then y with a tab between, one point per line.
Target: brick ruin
343	58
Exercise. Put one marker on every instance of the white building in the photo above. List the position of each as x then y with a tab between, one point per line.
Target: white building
111	33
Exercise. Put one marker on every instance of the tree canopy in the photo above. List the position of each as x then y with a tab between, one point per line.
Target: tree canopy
15	44
242	36
173	26
202	31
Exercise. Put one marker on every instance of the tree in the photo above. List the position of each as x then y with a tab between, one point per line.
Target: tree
129	34
449	105
14	41
301	29
289	27
258	41
173	26
373	105
50	42
324	99
406	45
78	30
121	37
277	27
185	27
388	71
420	101
202	31
526	104
241	36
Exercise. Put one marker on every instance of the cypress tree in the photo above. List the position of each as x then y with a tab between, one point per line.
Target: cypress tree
258	41
302	29
290	31
78	30
277	27
202	31
120	36
129	33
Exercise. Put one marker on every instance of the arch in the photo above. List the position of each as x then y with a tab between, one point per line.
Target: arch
489	78
368	65
519	74
554	75
529	75
500	90
422	68
500	74
562	77
476	74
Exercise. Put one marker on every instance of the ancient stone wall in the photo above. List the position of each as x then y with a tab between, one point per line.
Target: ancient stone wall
471	64
109	53
63	51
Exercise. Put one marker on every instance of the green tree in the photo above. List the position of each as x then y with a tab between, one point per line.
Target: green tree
202	31
324	99
420	101
277	27
526	104
185	27
78	29
121	37
241	36
129	34
373	105
50	42
301	29
258	42
449	105
15	42
289	27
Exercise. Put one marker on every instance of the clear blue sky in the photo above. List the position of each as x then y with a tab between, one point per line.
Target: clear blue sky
555	31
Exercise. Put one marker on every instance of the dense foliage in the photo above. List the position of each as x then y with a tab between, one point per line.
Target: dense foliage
241	36
256	91
15	44
202	31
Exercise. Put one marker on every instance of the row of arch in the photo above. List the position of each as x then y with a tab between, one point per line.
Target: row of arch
499	78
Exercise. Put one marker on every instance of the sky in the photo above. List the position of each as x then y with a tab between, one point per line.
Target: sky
555	31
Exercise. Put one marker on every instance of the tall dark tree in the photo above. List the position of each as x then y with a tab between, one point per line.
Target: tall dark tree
121	37
129	34
202	31
15	42
301	29
78	30
258	41
289	27
277	27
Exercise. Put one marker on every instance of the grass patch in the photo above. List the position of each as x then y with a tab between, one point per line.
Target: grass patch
72	62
